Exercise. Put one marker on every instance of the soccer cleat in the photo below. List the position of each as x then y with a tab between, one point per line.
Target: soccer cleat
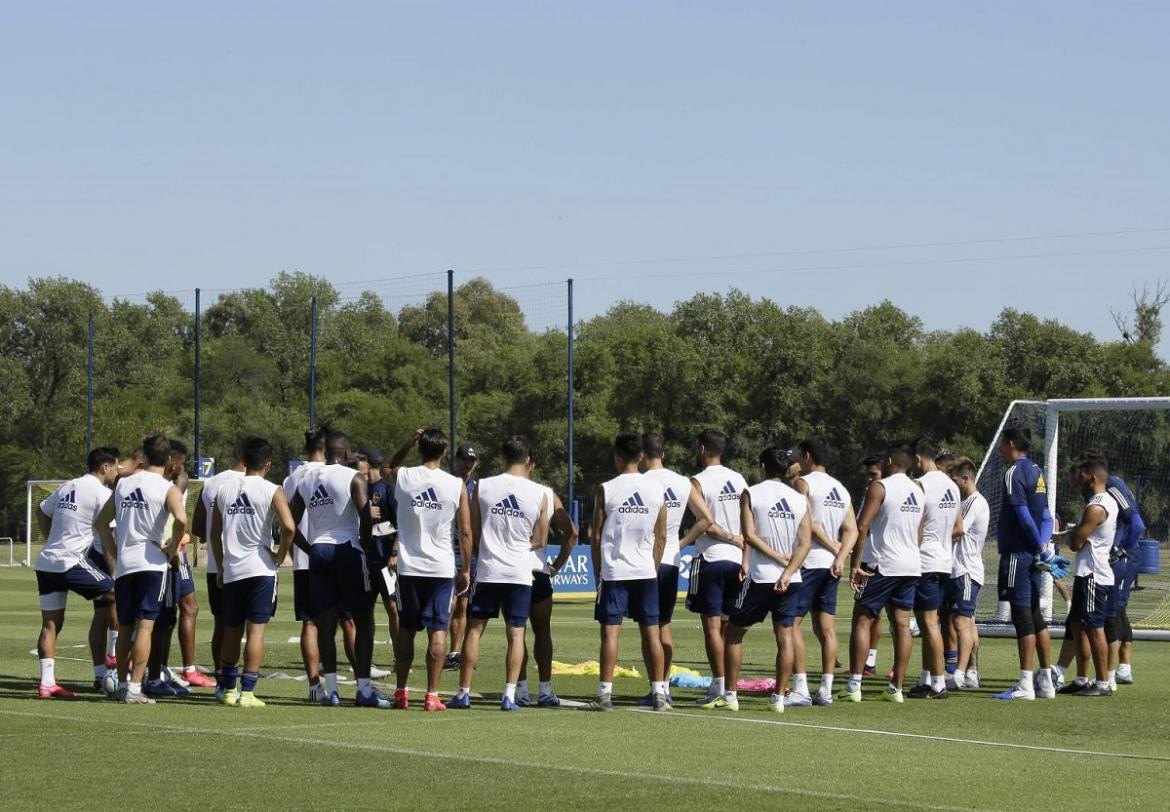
893	696
1124	679
136	698
918	692
849	696
334	700
603	702
933	694
776	704
868	671
170	677
822	699
460	702
1017	693
111	662
972	679
552	701
317	695
508	705
379	673
647	701
401	700
1072	687
248	700
452	662
711	701
431	704
372	700
795	699
160	689
1093	689
660	703
229	698
731	704
1046	691
54	692
524	701
197	680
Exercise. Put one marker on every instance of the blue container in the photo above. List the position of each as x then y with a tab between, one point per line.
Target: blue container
1148	557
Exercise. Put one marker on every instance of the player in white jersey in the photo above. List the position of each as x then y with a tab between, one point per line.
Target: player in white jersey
509	521
562	527
310	653
628	537
430	502
967	575
246	508
777	530
872	466
66	518
142	505
834	532
105	615
466	461
893	514
1092	540
336	499
715	570
679	494
942	522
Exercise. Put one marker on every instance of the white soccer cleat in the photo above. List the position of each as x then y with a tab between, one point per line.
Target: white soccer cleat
972	679
1045	691
1017	693
793	699
378	673
823	699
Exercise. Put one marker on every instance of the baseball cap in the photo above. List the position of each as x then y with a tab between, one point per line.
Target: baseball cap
467	452
374	456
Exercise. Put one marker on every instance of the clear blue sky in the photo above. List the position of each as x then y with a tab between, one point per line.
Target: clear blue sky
147	147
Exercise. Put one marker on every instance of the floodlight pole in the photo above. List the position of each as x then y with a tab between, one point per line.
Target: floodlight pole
451	407
569	487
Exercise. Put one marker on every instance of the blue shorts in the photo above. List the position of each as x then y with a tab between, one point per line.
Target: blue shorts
214	594
1129	577
424	602
756	600
930	591
1018	584
249	599
83	578
714	586
962	595
95	557
542	587
1090	602
489	599
881	591
140	595
637	600
339	578
818	592
184	583
667	593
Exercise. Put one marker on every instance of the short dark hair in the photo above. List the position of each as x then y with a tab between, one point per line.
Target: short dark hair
628	445
337	445
816	447
1019	436
156	449
964	466
356	458
925	447
315	440
870	460
776	461
1093	454
515	450
137	454
1094	467
432	444
713	440
653	445
901	454
256	452
178	448
103	455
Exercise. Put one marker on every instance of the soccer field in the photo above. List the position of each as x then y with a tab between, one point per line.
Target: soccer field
968	752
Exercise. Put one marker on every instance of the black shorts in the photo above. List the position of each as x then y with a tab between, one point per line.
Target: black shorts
542	587
1090	602
214	594
301	595
667	592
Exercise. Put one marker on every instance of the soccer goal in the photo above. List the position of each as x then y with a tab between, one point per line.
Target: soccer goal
1134	434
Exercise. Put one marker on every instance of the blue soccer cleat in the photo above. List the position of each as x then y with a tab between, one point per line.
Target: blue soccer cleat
372	700
462	702
508	705
548	701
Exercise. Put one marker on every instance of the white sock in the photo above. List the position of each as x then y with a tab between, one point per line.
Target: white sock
924	678
522	688
826	683
1026	680
717	685
1081	680
871	658
1104	685
1112	677
1124	670
99	671
364	686
938	684
958	678
800	683
546	688
134	687
510	691
111	643
604	687
463	691
891	688
854	682
972	675
1045	676
189	669
331	683
729	696
48	672
658	688
776	699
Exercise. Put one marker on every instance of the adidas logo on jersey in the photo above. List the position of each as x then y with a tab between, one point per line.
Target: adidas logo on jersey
428	500
670	500
507	507
781	510
948	500
320	498
911	505
634	505
67	502
834	500
134	500
728	493
242	506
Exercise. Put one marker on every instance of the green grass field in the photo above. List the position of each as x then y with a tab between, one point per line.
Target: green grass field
969	752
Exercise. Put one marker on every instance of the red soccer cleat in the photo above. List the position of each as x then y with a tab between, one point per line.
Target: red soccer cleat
55	692
401	700
111	662
432	704
197	679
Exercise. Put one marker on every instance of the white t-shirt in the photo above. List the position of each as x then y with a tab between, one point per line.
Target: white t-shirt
676	491
428	503
1093	558
941	505
300	559
721	488
333	518
895	530
140	510
540	557
510	507
830	501
210	489
968	558
632	506
777	510
72	507
245	507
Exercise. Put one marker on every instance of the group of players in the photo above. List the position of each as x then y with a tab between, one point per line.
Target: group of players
430	542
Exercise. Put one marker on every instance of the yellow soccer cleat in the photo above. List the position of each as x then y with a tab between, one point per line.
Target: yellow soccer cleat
892	696
248	699
849	696
229	698
712	701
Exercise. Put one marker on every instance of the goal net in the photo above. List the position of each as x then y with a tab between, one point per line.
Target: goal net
1134	434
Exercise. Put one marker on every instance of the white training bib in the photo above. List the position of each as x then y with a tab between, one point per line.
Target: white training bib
540	557
140	509
292	482
632	505
777	511
676	491
72	507
1093	558
895	530
333	518
941	504
207	495
968	558
829	501
510	506
721	489
245	507
428	501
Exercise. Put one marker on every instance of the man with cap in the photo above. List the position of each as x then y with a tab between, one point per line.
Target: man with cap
466	459
383	509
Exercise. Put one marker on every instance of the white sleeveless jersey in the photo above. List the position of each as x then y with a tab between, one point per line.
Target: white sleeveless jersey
676	490
721	489
941	504
777	510
540	557
1093	558
829	500
140	510
632	505
245	508
509	508
72	507
333	517
895	530
207	496
867	557
292	482
969	551
428	501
